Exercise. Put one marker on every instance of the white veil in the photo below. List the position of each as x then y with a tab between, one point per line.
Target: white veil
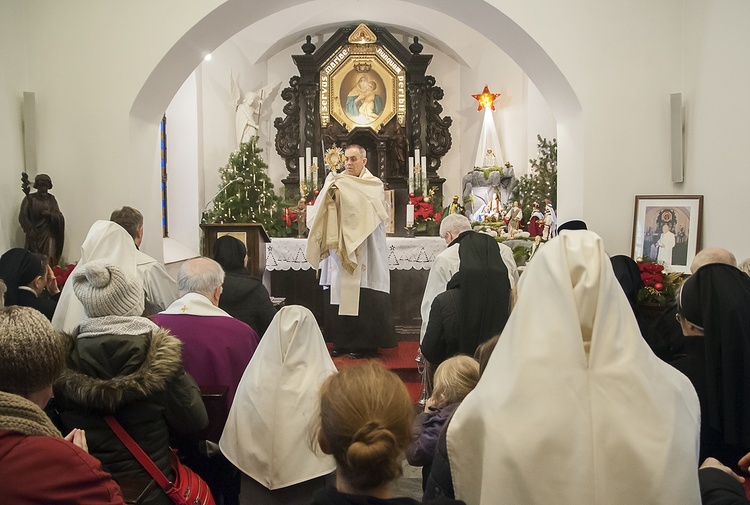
574	408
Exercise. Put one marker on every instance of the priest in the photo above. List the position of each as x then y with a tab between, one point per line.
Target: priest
347	244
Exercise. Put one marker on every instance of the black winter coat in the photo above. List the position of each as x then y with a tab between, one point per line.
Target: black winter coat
139	379
244	297
442	336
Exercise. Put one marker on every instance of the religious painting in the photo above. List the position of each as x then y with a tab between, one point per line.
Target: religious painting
667	230
239	235
362	86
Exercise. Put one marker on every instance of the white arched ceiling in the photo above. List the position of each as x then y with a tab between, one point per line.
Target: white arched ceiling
283	19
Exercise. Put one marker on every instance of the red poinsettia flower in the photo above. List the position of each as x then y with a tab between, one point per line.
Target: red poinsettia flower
62	273
651	273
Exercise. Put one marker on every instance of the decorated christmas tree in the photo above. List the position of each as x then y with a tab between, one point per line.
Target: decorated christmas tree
541	182
248	195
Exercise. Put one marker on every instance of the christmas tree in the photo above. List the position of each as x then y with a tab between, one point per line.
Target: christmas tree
248	195
541	181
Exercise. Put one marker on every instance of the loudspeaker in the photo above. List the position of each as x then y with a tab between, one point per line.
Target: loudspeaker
677	118
28	112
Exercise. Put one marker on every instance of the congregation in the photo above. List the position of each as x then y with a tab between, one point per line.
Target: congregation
560	390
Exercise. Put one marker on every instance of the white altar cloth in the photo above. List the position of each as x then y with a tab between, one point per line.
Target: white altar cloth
403	253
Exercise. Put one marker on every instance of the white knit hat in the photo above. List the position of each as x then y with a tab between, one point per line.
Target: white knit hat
106	290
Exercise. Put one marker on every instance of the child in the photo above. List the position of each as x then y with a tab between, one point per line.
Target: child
454	379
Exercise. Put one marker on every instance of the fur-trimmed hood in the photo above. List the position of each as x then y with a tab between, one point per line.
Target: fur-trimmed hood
146	364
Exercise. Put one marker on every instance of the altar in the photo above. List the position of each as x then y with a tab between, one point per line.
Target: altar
409	261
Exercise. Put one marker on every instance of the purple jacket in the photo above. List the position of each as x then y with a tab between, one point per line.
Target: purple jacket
427	427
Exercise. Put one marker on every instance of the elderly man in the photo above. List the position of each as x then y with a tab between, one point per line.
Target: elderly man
217	347
347	243
711	255
161	289
454	229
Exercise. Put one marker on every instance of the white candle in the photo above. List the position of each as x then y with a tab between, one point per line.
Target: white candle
301	171
409	215
424	175
308	157
411	175
416	155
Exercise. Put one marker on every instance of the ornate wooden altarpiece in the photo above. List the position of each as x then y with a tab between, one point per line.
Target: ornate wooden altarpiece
362	86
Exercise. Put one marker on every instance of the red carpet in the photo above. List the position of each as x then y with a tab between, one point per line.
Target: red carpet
399	359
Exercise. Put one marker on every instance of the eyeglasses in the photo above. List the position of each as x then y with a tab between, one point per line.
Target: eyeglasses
679	317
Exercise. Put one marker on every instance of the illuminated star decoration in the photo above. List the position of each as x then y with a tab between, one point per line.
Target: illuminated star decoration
486	99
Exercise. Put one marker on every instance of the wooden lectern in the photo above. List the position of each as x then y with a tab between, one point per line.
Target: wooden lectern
253	235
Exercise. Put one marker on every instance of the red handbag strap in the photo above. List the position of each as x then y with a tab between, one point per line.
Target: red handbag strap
132	446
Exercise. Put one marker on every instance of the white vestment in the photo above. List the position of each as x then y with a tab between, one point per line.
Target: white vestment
666	245
347	238
105	240
267	434
160	288
574	408
445	266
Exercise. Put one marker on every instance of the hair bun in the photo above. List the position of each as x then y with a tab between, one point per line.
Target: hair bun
372	444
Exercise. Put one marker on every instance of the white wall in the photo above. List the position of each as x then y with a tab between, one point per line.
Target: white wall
183	174
12	86
102	86
717	116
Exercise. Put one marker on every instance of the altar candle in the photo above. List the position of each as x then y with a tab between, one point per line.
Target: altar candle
308	157
301	171
424	175
409	215
411	175
416	155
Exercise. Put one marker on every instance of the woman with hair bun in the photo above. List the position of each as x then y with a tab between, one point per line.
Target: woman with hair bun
365	424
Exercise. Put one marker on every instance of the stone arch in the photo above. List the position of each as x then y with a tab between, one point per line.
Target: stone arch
234	15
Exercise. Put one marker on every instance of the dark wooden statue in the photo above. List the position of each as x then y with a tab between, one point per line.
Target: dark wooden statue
41	219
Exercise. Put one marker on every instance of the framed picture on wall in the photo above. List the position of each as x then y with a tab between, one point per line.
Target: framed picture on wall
667	230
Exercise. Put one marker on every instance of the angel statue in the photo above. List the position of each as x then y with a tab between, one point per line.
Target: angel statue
247	109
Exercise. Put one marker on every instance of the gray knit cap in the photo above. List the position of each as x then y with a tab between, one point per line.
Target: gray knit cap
32	353
106	290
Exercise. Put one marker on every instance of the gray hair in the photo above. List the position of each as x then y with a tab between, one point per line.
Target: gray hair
745	266
712	255
3	289
455	224
200	275
362	151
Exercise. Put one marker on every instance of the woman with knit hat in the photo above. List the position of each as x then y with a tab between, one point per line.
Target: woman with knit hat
124	365
36	464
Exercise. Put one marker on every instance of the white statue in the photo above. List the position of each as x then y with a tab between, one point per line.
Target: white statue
247	110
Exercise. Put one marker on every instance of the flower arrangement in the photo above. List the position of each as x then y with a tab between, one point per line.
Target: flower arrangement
659	287
62	273
426	218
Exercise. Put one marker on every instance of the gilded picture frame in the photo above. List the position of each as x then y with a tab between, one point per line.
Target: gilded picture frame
362	87
677	218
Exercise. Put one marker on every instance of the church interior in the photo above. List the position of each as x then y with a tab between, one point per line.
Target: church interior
142	104
597	79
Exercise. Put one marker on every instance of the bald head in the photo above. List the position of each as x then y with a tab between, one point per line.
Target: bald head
712	255
200	275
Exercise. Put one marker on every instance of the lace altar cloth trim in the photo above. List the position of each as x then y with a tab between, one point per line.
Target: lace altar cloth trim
403	253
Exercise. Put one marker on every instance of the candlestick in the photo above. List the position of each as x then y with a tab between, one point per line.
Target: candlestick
409	215
314	169
411	175
301	172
